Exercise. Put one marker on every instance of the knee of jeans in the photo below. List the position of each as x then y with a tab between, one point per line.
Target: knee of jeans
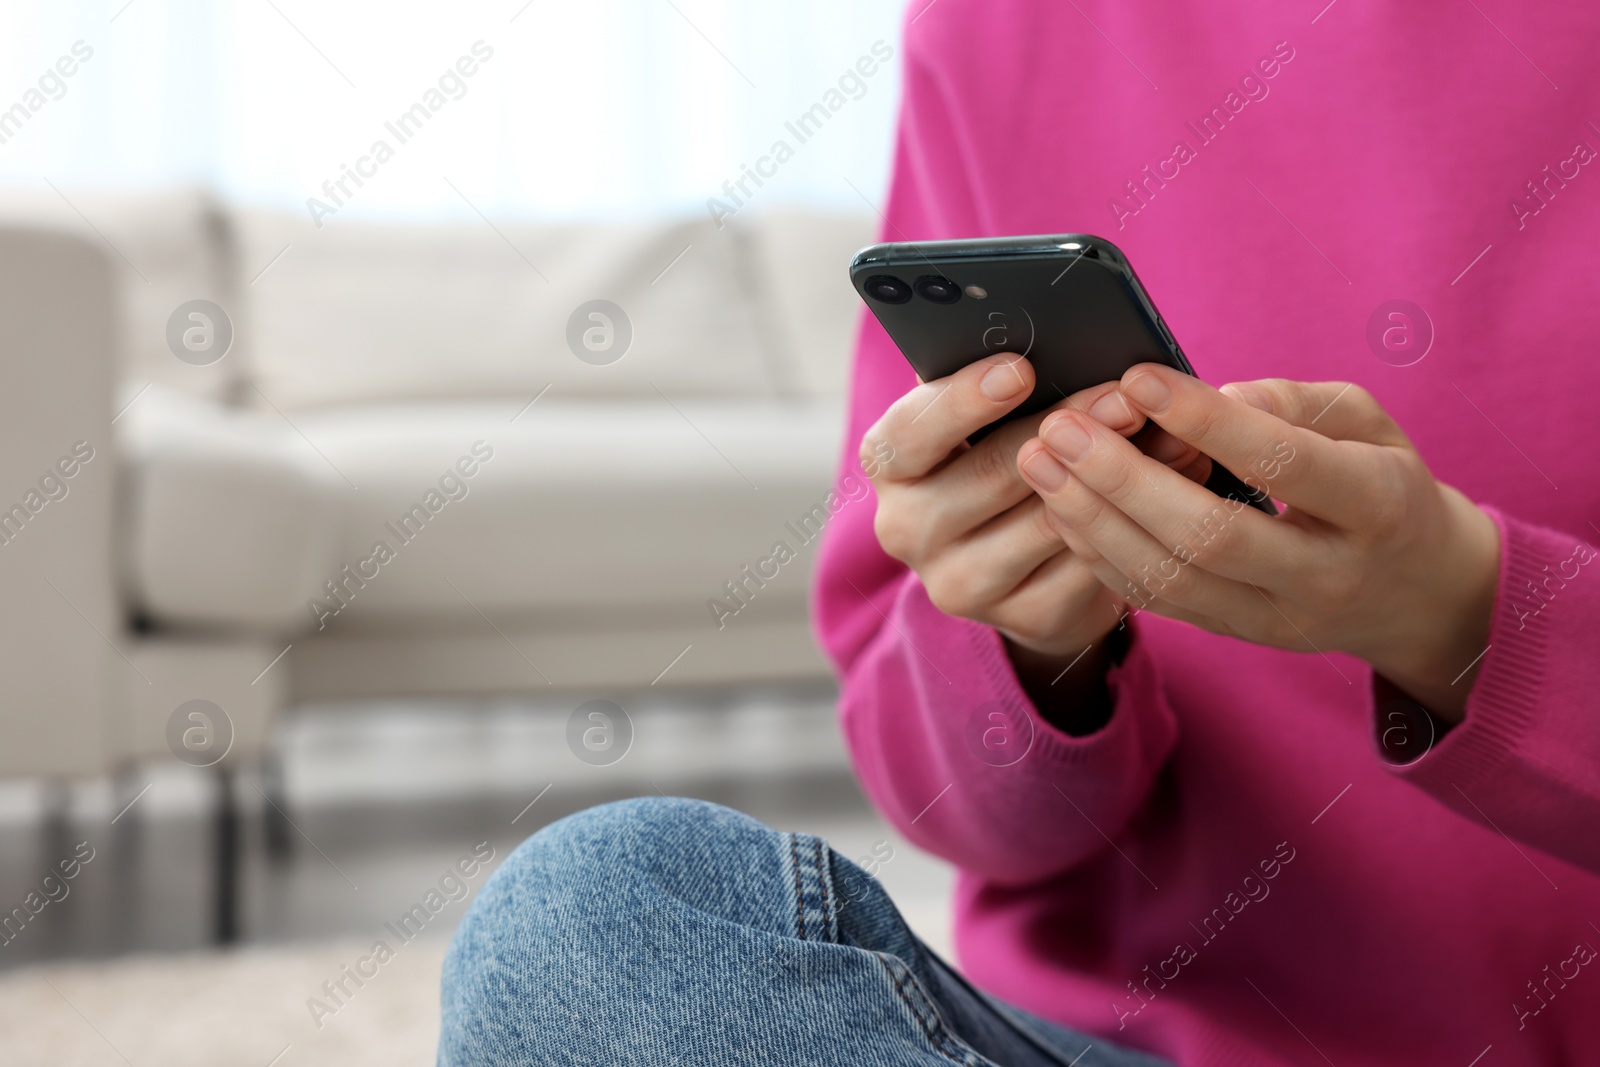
603	896
612	858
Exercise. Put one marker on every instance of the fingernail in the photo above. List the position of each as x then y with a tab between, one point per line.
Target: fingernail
1002	381
1045	472
1112	411
1148	391
1249	394
1067	439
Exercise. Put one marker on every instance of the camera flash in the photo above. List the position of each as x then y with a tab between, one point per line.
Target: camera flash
977	292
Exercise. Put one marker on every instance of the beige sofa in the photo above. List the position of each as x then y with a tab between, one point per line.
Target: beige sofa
549	523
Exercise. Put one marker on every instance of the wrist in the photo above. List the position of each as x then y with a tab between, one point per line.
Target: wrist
1438	644
1068	687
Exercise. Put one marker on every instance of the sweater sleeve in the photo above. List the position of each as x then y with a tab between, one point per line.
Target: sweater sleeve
1525	760
946	742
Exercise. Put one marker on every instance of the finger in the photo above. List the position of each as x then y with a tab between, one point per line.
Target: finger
1131	596
1056	598
1197	470
1110	534
1154	442
1106	405
971	489
1162	447
990	563
1340	410
1329	479
977	484
1222	536
922	428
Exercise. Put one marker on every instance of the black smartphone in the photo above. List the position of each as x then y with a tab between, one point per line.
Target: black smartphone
1070	303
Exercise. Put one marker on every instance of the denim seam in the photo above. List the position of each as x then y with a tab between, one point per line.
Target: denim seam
927	1016
799	891
828	930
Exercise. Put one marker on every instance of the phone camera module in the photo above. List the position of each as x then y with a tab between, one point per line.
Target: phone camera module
937	289
887	289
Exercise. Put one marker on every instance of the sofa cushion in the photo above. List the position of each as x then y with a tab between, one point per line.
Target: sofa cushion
575	510
358	313
165	248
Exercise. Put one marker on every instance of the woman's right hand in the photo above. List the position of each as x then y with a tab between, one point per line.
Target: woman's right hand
962	517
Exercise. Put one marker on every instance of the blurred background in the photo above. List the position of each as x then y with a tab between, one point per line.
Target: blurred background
405	406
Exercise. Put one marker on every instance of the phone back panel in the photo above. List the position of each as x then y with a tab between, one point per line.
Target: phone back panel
1069	303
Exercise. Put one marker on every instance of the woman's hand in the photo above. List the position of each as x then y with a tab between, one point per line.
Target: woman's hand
961	517
1374	556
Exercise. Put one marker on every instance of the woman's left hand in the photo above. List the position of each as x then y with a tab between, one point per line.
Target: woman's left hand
1374	556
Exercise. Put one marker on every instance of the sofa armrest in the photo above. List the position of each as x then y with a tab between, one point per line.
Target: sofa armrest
200	482
61	623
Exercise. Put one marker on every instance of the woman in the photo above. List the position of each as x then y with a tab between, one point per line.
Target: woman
1324	787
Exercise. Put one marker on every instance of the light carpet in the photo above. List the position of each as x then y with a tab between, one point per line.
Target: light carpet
248	1007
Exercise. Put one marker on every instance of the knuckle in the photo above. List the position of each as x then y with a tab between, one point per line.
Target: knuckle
1359	396
1370	419
1084	550
1117	479
1047	614
954	592
896	536
1169	580
882	437
1210	540
870	454
900	414
1029	621
1183	580
1387	512
926	403
1042	524
1287	395
1042	620
991	467
1283	633
1025	625
1077	509
1339	588
1204	424
1386	519
1056	525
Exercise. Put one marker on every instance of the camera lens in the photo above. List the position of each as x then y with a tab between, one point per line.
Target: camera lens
939	290
889	289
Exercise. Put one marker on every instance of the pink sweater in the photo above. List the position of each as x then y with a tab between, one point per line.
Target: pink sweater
1228	873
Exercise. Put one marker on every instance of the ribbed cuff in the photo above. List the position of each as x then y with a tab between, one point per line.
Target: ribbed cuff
1507	694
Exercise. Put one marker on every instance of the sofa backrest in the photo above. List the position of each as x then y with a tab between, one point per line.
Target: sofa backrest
362	312
357	312
800	260
166	247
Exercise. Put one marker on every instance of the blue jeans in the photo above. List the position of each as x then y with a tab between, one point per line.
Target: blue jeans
658	932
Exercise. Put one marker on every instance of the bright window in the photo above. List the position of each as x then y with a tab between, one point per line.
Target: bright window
574	109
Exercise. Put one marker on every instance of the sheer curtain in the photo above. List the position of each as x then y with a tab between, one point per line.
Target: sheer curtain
571	109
